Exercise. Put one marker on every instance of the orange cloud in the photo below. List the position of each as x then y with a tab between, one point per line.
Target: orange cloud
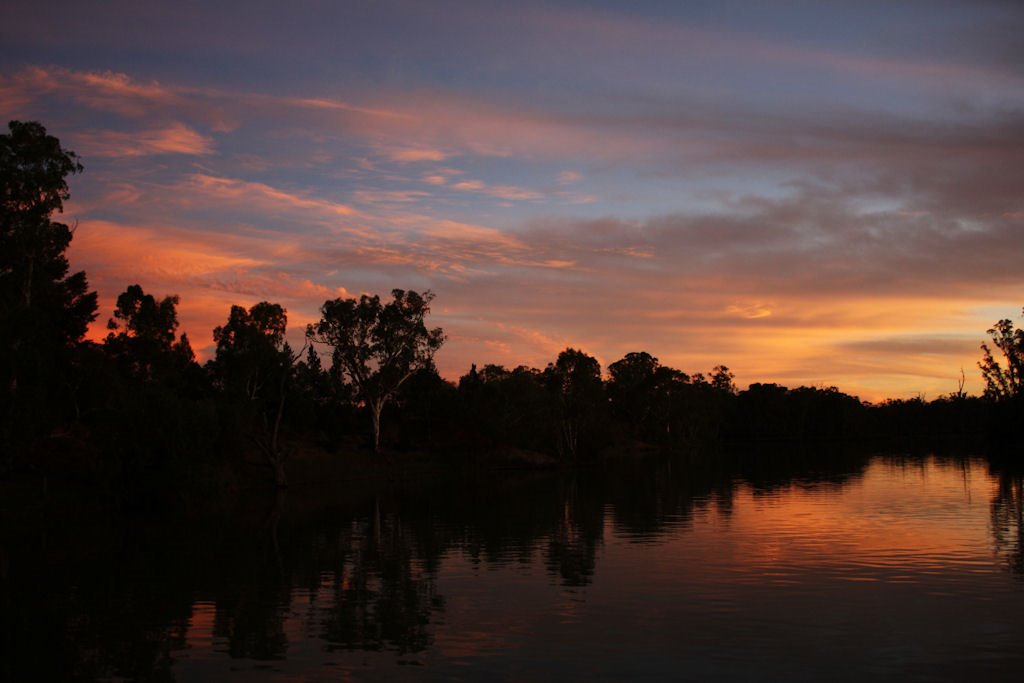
262	194
512	192
153	251
751	311
499	191
475	234
176	138
416	154
468	185
206	270
389	196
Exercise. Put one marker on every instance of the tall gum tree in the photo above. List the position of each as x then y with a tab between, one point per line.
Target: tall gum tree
255	362
378	346
44	310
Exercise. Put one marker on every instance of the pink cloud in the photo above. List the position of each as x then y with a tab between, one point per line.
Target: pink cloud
263	195
389	196
411	155
512	192
468	185
498	191
177	138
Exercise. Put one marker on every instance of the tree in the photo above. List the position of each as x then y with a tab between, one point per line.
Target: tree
629	386
378	346
143	335
646	395
722	380
44	311
1003	383
254	362
575	378
508	408
249	347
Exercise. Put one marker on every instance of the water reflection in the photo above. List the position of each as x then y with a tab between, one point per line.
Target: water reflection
1008	518
464	571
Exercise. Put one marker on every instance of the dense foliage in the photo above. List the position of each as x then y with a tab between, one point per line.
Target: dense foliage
44	310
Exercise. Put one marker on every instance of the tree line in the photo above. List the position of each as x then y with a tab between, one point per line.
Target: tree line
137	409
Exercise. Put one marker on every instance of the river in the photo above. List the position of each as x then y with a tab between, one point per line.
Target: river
881	567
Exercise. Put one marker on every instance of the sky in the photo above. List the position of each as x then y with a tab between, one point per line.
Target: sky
809	192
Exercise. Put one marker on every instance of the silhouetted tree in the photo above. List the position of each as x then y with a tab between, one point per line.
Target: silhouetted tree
310	377
427	409
143	335
43	310
629	387
156	426
722	380
669	389
378	346
575	378
248	348
255	364
1003	383
507	408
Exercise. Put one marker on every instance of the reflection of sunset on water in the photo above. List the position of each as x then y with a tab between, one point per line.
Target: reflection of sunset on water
810	561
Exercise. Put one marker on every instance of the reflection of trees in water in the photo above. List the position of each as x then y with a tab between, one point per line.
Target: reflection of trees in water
661	494
358	576
381	596
364	580
251	601
1008	519
575	535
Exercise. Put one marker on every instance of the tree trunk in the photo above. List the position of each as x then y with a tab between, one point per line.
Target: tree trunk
275	454
376	407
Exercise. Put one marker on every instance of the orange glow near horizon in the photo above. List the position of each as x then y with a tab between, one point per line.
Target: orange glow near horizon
869	348
855	225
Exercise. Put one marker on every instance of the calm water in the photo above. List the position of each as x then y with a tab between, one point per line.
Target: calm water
883	567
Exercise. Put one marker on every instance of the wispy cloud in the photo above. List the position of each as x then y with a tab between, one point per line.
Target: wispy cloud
254	194
806	198
417	154
177	138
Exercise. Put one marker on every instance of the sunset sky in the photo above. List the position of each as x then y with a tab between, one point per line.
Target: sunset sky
810	192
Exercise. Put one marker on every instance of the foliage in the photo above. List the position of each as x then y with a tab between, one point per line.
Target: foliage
255	366
44	311
378	346
775	411
506	408
427	411
575	380
249	348
1004	383
143	336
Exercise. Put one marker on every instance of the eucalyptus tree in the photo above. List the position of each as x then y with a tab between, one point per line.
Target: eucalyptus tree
44	310
1003	383
249	349
255	365
575	379
378	346
143	336
629	387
